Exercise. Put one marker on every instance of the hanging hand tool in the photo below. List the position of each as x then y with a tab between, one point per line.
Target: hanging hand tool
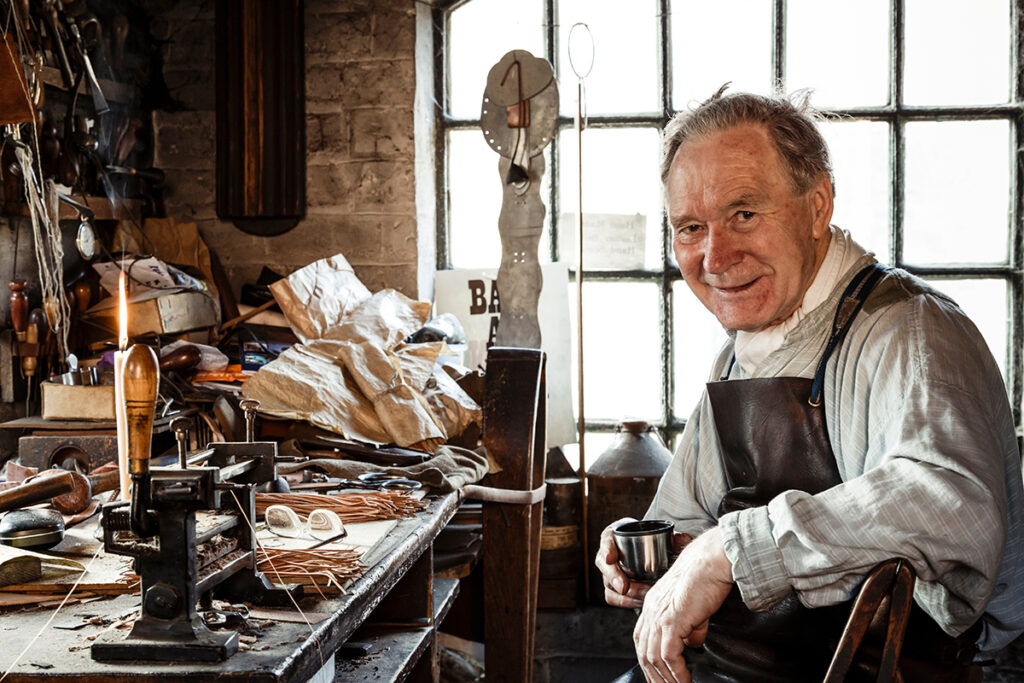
49	147
29	362
57	43
43	336
67	167
19	321
98	100
19	307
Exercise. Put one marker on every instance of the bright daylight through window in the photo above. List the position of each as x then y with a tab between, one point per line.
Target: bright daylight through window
925	98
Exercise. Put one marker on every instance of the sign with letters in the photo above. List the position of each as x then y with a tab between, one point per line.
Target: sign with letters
473	297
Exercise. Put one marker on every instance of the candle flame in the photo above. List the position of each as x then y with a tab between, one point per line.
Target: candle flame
122	312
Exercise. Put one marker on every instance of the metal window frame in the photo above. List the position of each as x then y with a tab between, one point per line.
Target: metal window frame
895	114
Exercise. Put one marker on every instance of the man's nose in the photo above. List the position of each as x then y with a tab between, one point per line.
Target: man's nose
721	250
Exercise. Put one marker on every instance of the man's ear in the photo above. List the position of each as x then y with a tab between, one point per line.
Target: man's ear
822	203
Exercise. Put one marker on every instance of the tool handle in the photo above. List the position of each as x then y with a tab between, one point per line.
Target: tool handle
19	305
83	295
141	376
76	500
30	363
42	322
37	490
107	481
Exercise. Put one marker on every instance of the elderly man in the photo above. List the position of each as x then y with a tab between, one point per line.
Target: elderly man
855	415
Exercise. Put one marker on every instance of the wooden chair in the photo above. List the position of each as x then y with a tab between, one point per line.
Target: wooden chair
893	580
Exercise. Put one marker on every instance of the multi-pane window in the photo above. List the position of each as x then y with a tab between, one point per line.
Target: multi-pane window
926	112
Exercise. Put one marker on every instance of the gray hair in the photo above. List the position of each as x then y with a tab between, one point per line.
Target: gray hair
790	123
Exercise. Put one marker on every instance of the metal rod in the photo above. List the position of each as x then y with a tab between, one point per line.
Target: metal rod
581	423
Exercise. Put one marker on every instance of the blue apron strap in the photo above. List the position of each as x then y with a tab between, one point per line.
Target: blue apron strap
728	370
849	305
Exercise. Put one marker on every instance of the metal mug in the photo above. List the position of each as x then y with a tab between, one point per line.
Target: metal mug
645	548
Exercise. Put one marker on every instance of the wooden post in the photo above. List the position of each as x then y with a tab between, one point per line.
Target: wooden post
514	435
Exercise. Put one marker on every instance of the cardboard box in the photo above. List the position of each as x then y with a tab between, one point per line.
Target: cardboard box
161	312
77	402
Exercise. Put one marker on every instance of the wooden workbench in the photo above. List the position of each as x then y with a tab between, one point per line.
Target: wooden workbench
398	589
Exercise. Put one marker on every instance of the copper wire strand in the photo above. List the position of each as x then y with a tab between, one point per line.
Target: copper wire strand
335	565
49	621
352	508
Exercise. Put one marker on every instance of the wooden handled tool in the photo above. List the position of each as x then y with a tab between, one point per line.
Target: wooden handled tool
19	307
38	490
141	378
181	359
85	487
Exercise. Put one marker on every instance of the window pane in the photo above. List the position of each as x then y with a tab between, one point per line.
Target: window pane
594	444
984	302
474	202
860	160
957	192
624	78
620	177
480	33
956	52
844	67
621	353
715	42
697	337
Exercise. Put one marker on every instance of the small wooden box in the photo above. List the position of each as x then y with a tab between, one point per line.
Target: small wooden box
162	312
77	402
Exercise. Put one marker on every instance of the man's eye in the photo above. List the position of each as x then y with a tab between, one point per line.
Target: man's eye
687	232
745	215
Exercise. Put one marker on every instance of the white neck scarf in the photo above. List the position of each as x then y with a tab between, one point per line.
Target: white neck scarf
753	347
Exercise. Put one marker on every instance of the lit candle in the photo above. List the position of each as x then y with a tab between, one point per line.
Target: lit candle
119	413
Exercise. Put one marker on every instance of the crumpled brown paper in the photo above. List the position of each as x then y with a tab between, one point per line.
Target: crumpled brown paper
361	381
316	298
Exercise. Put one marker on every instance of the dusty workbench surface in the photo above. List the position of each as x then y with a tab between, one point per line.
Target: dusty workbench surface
286	649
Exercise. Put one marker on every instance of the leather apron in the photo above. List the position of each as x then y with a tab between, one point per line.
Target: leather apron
774	438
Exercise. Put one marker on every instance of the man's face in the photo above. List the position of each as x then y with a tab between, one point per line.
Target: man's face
746	242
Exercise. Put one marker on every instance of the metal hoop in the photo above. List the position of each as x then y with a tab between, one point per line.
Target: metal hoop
572	64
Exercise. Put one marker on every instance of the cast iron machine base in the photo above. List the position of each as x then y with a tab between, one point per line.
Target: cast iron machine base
202	543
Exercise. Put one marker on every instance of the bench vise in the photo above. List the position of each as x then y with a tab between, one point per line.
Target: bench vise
190	530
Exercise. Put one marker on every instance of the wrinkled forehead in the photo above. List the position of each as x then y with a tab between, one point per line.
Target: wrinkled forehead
741	156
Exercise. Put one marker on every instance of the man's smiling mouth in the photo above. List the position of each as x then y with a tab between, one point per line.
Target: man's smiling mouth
738	289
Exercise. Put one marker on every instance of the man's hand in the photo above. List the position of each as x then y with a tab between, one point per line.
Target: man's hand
677	608
619	589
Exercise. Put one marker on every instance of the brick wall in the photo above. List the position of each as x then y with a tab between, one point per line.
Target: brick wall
361	160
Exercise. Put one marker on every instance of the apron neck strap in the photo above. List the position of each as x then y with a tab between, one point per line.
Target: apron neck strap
850	303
